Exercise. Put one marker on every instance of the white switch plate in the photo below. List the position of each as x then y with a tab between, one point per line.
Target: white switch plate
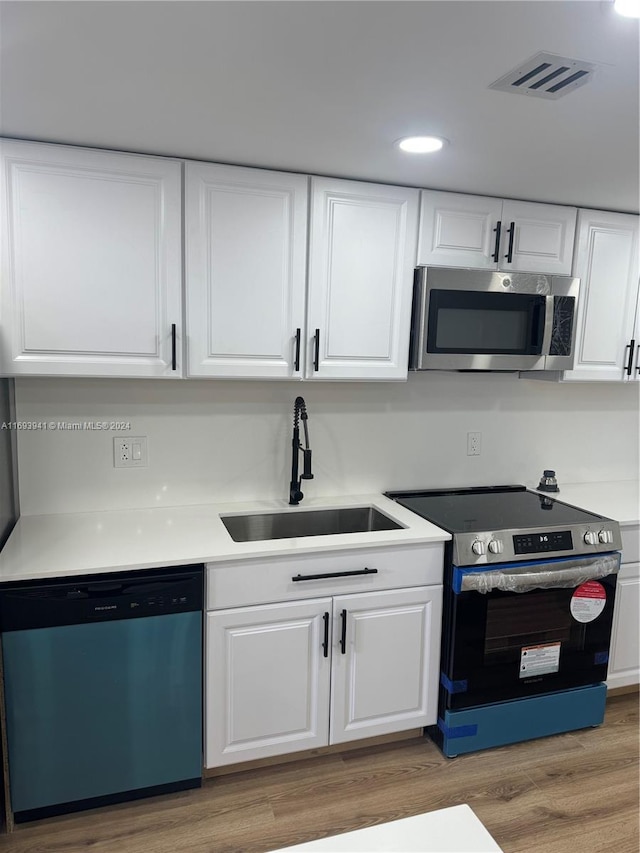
474	443
130	451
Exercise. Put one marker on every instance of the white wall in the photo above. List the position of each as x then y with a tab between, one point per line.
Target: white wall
218	440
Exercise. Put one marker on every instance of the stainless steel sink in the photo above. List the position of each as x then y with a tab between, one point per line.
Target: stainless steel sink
316	522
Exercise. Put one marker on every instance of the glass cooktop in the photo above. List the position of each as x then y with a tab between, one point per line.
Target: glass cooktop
491	508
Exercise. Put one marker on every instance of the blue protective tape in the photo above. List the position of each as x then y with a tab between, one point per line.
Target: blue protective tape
460	686
459	572
456	731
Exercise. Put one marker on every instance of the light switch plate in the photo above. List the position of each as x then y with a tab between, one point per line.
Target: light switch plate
130	451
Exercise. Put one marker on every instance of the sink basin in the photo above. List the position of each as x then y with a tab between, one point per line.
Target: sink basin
316	522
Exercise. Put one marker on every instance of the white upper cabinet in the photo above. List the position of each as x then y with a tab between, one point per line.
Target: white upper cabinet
246	234
361	259
458	230
606	261
91	262
488	233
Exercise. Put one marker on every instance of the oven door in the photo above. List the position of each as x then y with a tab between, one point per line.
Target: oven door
526	628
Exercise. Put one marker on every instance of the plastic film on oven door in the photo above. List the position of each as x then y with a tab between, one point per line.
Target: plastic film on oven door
558	574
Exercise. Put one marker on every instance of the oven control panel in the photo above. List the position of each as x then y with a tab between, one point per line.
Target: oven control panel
541	543
504	546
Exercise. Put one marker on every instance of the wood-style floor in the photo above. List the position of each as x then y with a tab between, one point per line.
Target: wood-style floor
572	793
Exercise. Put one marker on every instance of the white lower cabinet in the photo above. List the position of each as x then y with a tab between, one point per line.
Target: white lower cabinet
267	681
302	674
624	663
385	662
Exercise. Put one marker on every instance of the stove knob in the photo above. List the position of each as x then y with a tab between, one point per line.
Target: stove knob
591	537
496	546
606	537
479	548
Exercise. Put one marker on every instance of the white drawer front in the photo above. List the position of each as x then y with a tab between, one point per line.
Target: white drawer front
630	544
260	581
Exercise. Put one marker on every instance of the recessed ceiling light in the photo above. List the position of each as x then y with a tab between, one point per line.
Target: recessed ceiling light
628	8
421	144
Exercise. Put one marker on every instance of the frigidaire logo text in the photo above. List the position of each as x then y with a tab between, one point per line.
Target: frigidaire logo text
107	607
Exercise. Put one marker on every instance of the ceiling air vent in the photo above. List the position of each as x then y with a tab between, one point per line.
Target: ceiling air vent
546	75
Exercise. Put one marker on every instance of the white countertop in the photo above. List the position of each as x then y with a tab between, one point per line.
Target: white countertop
619	500
48	546
452	830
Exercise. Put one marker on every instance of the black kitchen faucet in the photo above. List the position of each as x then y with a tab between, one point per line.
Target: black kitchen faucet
299	411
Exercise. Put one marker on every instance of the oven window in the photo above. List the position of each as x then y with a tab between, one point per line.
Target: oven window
478	323
528	620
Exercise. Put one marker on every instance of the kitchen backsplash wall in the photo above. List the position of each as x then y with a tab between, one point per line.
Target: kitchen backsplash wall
218	441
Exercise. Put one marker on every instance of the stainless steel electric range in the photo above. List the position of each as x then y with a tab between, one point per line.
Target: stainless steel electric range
529	588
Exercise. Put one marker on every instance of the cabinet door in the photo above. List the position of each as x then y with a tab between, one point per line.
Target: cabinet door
246	233
386	678
267	681
543	236
606	261
458	230
624	663
92	263
635	358
362	256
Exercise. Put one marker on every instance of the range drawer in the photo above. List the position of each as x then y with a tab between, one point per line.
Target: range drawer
260	581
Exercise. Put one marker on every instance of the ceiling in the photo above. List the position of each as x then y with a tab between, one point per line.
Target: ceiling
326	88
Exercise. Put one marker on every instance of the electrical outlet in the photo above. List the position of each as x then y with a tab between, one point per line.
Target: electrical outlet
130	451
474	443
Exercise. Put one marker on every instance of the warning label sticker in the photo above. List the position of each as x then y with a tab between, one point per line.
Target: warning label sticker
539	660
588	601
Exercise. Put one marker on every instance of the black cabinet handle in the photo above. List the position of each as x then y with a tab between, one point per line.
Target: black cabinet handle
173	347
343	635
325	642
334	575
316	350
296	361
512	231
496	249
631	347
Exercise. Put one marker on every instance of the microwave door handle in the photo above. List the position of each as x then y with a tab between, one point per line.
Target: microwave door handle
548	326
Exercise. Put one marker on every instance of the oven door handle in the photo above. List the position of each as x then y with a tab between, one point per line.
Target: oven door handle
552	575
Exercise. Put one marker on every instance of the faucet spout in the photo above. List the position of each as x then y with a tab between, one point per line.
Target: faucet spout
299	413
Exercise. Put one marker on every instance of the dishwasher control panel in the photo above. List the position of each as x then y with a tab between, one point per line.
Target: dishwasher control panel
121	595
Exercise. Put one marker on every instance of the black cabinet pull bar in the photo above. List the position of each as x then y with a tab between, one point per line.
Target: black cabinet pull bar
631	347
325	642
496	249
316	350
296	363
334	575
343	636
512	231
174	365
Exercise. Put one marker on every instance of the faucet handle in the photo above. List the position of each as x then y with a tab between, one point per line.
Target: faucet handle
306	464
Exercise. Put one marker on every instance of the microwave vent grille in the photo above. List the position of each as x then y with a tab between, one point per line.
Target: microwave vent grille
546	75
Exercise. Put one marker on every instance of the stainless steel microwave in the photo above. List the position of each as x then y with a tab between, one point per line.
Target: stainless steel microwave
466	319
